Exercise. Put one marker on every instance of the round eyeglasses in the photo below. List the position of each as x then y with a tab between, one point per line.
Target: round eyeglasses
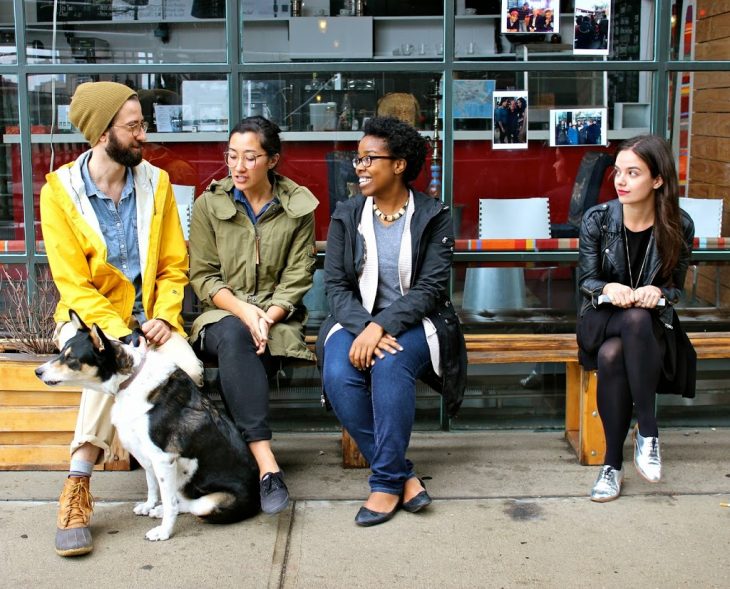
367	160
249	159
135	128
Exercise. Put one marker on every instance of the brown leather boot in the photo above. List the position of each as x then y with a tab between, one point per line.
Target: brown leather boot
73	536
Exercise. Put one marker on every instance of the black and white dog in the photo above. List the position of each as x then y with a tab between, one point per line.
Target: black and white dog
194	457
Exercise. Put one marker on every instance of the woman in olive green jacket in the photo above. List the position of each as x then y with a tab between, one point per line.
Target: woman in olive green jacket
252	256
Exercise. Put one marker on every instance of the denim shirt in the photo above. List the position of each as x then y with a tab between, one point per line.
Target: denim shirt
119	227
238	196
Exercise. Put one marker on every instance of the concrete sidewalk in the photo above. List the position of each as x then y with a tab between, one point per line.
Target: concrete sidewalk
511	509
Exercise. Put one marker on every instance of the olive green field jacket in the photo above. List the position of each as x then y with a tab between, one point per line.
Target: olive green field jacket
270	263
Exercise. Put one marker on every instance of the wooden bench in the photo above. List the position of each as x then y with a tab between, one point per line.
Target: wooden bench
47	447
583	427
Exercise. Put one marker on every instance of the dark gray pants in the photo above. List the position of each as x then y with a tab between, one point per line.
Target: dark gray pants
243	375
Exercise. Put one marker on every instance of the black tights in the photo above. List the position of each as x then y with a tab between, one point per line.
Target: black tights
629	366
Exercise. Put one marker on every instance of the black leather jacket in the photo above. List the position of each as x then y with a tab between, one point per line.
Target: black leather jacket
602	257
432	246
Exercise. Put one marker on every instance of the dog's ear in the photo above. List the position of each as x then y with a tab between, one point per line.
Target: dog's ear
101	342
76	321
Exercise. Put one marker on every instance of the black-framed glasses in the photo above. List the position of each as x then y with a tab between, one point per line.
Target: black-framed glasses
135	128
367	160
249	159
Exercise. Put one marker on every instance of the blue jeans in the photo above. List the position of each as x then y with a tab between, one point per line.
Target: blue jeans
377	406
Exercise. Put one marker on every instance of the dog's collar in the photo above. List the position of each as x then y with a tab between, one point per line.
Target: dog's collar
134	374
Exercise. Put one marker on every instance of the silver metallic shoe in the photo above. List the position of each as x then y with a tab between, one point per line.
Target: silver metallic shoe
647	457
608	484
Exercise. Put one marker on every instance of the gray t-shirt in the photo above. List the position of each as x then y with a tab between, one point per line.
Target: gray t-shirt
388	240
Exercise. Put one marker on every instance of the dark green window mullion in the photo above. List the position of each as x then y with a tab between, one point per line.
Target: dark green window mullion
30	258
662	32
447	142
234	60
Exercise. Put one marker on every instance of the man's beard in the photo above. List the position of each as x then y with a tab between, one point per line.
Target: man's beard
125	156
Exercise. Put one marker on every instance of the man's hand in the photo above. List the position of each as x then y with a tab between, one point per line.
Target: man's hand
156	331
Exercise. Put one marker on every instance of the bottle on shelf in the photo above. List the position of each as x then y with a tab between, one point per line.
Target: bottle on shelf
346	115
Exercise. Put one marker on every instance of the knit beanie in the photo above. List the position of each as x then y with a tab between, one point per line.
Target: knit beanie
94	106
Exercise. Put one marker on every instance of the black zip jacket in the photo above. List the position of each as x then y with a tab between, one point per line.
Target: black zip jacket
432	247
602	258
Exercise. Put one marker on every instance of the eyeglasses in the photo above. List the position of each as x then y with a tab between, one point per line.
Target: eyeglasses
367	160
248	158
135	128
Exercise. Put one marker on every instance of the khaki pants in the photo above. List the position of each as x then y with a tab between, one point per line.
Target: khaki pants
94	421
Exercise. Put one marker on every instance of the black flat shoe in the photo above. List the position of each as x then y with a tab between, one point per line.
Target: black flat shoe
367	517
418	502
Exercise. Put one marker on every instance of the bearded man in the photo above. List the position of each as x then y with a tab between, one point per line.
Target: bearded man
118	257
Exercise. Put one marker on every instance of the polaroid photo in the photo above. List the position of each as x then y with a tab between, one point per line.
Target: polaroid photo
509	121
592	27
576	127
538	16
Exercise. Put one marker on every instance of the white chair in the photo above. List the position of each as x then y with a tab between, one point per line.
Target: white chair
707	216
184	197
504	218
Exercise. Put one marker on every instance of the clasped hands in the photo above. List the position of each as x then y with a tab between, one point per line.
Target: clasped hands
645	297
258	323
371	344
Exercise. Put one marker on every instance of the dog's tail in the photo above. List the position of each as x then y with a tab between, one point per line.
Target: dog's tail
224	508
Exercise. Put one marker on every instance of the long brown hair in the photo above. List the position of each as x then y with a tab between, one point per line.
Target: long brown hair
657	155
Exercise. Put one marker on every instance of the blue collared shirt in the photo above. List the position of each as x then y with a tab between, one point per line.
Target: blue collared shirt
119	227
238	196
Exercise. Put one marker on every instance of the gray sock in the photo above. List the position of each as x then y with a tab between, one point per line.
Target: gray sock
80	468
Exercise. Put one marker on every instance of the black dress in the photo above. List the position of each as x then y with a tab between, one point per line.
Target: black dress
591	328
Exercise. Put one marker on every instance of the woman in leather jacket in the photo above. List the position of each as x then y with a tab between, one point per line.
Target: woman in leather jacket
635	250
387	270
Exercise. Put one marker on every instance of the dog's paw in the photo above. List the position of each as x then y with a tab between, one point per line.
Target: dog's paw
158	533
156	511
144	508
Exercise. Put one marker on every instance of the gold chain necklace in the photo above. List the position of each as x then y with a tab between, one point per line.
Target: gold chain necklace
390	218
628	259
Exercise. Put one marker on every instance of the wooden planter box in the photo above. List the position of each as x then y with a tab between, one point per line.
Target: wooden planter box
37	422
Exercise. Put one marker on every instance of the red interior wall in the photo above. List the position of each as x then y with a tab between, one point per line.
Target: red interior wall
479	172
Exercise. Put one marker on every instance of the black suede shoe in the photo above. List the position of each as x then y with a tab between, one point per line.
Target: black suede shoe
418	502
367	517
274	494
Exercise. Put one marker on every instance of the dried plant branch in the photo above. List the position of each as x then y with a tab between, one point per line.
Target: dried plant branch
28	320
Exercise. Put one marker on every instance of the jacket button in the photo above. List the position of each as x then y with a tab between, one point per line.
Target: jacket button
605	227
605	206
444	240
607	250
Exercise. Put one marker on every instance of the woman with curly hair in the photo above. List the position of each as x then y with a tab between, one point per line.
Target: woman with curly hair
387	270
635	250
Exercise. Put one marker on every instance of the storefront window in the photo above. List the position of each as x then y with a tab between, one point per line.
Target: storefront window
351	30
8	51
126	31
550	30
188	117
12	219
321	114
